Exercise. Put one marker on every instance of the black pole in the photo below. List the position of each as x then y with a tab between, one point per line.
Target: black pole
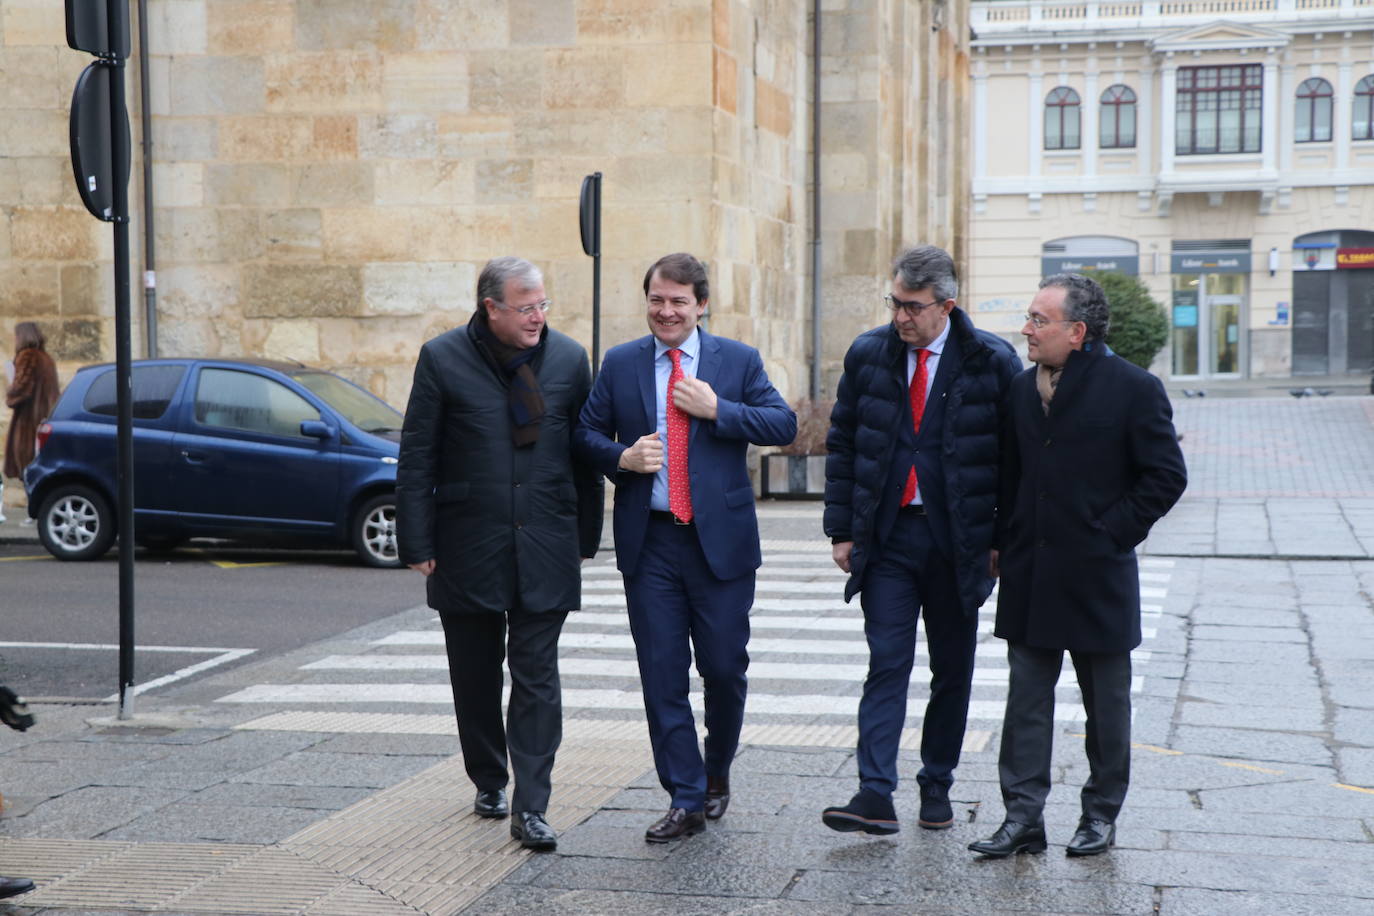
123	362
145	112
596	279
815	201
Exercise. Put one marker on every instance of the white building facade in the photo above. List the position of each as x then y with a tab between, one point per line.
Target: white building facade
1222	150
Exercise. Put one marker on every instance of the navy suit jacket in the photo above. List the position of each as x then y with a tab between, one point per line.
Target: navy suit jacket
623	407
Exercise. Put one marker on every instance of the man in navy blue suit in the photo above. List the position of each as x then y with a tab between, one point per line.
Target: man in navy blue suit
911	484
669	421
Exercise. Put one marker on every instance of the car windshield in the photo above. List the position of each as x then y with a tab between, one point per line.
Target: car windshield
359	407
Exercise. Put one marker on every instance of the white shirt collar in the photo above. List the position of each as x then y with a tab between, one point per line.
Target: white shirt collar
936	346
689	347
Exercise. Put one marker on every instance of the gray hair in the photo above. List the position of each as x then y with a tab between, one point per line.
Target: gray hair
1084	301
926	265
492	282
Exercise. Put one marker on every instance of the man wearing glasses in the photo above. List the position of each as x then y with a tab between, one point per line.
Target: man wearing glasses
1092	461
493	510
910	497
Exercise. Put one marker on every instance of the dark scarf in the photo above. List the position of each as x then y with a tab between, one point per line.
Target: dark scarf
524	397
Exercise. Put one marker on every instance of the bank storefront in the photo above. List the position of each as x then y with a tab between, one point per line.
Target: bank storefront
1209	296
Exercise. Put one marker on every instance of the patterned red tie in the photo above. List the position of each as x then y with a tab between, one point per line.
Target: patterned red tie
679	426
918	407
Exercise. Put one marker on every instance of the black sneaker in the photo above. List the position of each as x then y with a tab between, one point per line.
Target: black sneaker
936	813
867	811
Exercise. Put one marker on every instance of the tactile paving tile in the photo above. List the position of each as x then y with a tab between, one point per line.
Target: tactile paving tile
141	876
271	881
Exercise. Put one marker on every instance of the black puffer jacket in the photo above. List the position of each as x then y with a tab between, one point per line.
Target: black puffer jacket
870	407
504	525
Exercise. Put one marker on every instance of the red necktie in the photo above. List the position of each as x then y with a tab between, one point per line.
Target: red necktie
918	407
679	426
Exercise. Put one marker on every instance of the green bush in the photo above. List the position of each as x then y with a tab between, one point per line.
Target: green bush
1139	325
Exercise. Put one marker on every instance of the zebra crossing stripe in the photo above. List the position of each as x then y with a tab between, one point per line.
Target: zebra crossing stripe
629	668
780	646
594	698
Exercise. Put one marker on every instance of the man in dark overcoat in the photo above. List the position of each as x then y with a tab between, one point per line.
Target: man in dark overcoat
493	510
1091	462
910	495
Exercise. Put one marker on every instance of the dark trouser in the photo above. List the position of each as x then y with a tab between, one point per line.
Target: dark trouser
913	577
673	598
1104	679
477	646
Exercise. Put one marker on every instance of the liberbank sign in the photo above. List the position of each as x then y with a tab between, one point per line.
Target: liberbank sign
1231	262
1121	264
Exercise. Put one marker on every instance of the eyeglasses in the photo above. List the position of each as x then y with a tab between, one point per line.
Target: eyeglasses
528	309
1040	321
913	307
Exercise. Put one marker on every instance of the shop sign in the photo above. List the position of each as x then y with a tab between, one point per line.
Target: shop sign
1354	258
1211	263
1121	264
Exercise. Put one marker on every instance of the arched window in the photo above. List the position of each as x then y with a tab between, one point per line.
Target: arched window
1061	119
1312	121
1116	126
1362	124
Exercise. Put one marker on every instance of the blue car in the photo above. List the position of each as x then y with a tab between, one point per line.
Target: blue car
245	450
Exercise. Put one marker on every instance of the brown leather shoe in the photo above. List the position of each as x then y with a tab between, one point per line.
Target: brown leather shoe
676	824
717	798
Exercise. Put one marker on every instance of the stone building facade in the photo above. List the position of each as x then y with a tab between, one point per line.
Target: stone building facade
330	175
1221	150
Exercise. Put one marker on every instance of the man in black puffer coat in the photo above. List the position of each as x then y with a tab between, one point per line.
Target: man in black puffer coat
910	502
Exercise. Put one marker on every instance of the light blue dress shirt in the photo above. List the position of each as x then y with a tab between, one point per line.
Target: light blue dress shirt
663	370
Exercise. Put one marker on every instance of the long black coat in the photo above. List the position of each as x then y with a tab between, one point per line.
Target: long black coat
1085	484
505	526
870	407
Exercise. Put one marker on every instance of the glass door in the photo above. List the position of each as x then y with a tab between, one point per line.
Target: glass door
1223	295
1205	317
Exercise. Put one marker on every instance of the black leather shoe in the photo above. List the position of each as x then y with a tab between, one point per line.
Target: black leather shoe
13	887
717	798
867	811
936	813
533	832
1092	837
1011	838
677	823
491	803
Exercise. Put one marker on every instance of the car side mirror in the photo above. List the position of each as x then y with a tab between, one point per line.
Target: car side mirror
316	429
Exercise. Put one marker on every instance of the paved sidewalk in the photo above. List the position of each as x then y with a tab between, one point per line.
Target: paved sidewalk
1252	786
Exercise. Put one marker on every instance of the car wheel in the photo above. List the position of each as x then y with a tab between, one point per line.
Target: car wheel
374	532
75	523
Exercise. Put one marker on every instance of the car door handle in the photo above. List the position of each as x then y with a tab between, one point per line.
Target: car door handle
193	457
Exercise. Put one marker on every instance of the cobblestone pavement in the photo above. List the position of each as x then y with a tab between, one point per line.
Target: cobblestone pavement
268	789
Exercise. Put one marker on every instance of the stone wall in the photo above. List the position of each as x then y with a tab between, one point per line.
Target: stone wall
330	175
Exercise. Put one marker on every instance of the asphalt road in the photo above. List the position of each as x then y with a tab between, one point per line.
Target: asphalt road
192	607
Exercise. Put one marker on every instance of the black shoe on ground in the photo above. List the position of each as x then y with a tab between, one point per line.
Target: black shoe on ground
867	811
936	813
13	887
1092	837
677	823
491	803
533	832
1011	838
717	798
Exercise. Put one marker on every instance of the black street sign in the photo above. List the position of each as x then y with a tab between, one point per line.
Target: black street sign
92	140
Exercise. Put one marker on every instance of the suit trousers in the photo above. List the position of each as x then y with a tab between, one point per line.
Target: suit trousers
1023	765
478	644
673	598
911	578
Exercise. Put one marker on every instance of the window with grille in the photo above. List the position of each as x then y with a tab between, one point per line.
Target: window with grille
1217	109
1062	119
1312	117
1116	126
1362	124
